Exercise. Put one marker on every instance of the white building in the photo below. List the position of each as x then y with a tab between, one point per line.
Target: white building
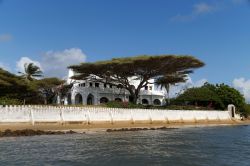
94	93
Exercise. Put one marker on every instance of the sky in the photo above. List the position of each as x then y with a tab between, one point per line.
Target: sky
56	34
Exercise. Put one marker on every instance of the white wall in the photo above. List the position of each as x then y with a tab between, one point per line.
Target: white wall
32	114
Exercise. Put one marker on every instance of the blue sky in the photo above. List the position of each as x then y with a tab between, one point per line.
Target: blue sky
57	33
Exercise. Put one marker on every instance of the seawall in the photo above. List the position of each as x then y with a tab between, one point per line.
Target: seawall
53	117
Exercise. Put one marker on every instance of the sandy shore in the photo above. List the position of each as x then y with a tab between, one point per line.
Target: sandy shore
83	127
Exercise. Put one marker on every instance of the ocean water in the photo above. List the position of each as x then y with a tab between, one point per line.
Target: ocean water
201	146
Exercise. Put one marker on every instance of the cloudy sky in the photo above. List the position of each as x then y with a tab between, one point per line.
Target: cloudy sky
55	34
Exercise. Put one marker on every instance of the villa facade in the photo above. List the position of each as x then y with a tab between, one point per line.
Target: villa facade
95	93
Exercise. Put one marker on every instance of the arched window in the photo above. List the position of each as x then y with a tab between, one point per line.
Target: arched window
118	99
104	100
144	101
157	102
119	86
78	99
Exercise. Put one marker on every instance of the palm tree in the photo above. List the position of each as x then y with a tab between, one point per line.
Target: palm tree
167	80
31	71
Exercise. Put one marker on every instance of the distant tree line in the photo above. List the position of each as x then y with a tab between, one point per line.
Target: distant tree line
26	88
217	96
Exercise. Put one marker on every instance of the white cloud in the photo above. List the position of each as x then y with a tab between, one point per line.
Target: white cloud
203	8
5	37
243	85
55	63
198	10
23	60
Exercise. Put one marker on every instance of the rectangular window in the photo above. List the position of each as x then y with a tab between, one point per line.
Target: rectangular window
96	84
90	84
150	88
105	85
146	87
110	86
83	84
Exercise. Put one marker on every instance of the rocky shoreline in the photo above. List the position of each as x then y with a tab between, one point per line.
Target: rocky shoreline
30	132
139	129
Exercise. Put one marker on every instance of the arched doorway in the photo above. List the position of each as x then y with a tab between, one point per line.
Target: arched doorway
232	111
78	99
90	99
144	101
157	102
104	100
118	99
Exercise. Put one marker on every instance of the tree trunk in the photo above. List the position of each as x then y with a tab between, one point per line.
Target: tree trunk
45	101
167	87
133	95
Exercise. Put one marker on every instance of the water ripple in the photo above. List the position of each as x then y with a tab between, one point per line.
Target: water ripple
227	145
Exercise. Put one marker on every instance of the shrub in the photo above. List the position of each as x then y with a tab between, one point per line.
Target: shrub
202	96
9	101
117	104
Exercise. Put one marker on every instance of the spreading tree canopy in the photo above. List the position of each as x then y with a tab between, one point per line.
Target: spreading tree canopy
119	71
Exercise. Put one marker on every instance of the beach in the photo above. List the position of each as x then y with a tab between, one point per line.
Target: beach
83	127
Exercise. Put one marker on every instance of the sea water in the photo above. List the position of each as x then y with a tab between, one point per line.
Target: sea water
208	146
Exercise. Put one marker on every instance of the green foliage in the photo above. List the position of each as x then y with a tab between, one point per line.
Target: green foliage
117	104
245	110
228	95
200	96
9	101
30	92
185	107
31	71
220	95
13	86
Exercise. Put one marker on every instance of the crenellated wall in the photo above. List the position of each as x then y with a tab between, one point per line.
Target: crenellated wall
88	115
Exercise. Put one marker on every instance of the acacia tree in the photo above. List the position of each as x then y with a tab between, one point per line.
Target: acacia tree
167	80
120	71
47	88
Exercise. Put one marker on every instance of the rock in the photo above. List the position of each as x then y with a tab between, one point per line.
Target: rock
29	132
109	130
70	132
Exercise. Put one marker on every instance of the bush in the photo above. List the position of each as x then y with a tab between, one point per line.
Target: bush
185	107
202	96
117	104
245	110
9	101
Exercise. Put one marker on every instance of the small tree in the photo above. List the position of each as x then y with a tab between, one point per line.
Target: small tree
31	71
47	88
167	80
120	71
